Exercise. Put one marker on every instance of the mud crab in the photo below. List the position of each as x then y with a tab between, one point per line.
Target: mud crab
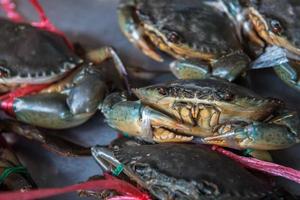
264	25
211	111
167	173
14	176
47	83
197	35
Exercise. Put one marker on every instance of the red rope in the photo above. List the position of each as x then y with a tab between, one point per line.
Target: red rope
130	192
45	23
267	167
7	100
10	9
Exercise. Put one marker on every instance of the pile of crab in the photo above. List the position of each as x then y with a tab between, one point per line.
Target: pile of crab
175	131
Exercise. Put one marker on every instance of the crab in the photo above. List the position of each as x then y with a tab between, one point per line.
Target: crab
44	82
166	171
197	35
14	176
270	32
210	111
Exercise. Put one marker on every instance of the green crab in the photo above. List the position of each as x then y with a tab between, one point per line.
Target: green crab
45	83
270	31
166	172
210	111
199	36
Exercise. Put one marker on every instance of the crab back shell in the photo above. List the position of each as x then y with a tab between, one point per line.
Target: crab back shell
232	101
203	174
29	55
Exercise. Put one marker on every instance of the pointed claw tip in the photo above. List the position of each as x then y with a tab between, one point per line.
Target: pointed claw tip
174	67
95	150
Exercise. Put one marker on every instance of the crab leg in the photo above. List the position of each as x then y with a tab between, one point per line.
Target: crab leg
261	136
223	67
98	56
51	142
279	132
184	69
133	32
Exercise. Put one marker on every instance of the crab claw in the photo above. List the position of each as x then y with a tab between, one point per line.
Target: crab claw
106	159
260	136
137	120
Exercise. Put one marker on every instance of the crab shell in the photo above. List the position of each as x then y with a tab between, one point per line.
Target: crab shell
186	29
29	55
184	171
201	98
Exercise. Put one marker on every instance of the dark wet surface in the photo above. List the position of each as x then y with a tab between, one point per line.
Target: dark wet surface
93	23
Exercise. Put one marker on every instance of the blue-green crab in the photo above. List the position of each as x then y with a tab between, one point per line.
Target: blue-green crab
216	111
199	36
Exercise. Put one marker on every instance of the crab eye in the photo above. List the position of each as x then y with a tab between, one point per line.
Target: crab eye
276	27
3	72
174	37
